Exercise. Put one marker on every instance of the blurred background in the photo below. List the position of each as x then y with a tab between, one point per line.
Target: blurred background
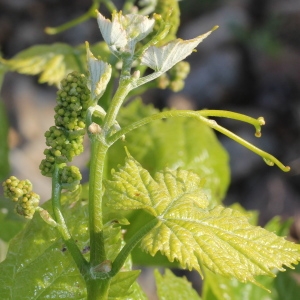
251	65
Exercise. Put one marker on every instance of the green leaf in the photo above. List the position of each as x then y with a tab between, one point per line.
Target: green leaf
170	287
161	59
176	142
39	266
120	287
287	284
133	188
10	222
217	287
52	62
252	215
3	250
278	226
137	292
123	32
220	239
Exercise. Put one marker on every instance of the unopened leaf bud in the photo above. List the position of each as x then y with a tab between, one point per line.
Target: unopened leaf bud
94	128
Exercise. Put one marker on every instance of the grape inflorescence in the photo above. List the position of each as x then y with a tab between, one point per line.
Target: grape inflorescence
65	139
20	191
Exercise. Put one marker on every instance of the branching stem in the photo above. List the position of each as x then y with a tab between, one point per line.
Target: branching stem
89	14
126	250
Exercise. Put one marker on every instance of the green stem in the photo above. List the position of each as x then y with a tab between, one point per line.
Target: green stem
110	5
80	261
89	14
268	158
257	123
128	5
97	251
98	289
162	115
122	91
129	246
126	250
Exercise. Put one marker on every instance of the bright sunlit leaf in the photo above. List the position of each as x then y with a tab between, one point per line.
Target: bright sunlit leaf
221	239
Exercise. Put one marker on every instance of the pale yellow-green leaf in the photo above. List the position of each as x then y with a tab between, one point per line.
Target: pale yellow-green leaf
133	188
52	61
164	58
170	287
99	75
123	32
221	239
53	69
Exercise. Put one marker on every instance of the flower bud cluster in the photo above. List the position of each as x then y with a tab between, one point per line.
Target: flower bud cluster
65	139
15	188
70	177
174	78
20	191
166	12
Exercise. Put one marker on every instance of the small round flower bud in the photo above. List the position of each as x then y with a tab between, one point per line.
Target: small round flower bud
15	188
27	204
70	177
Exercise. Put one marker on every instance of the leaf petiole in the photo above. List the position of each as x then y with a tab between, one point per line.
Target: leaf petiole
126	250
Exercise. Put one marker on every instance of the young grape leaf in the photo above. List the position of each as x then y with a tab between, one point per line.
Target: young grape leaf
161	59
287	284
176	142
123	32
136	292
121	283
100	73
216	287
52	62
169	287
3	250
220	239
